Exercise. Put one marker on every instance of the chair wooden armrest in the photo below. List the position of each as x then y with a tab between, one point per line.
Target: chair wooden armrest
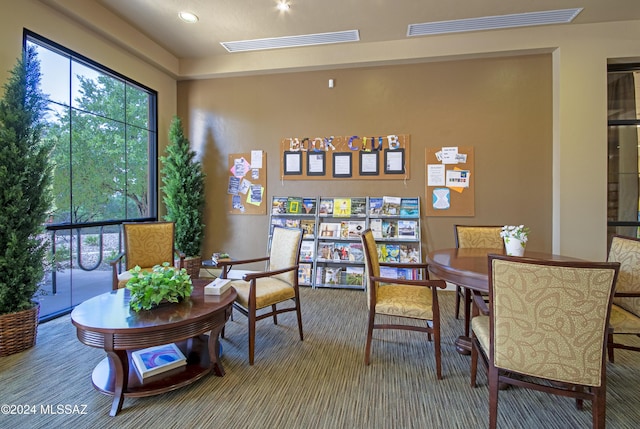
479	304
431	283
250	276
114	270
627	295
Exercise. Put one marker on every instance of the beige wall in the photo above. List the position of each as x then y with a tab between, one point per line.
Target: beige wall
35	16
502	107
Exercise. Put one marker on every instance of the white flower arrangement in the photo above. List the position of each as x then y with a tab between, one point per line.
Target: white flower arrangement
519	232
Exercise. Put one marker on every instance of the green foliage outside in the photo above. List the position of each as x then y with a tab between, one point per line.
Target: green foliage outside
183	191
107	156
25	181
163	284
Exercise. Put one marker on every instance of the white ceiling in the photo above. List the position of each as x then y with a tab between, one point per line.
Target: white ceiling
375	20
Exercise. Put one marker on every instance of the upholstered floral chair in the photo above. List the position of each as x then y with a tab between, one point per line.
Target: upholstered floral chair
401	299
277	284
625	312
545	328
146	244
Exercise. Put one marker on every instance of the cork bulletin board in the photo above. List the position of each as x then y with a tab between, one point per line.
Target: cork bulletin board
247	186
450	181
346	158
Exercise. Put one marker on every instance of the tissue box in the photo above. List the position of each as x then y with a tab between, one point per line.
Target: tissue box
217	287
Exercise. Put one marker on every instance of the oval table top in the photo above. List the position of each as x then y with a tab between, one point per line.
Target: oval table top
470	267
110	312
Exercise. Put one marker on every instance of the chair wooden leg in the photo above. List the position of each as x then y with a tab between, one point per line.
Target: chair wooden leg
599	407
610	345
252	335
299	314
438	352
458	293
367	349
474	363
493	397
275	316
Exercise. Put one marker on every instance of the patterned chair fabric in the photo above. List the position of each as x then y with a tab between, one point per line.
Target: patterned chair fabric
547	320
413	299
278	284
625	312
146	244
476	237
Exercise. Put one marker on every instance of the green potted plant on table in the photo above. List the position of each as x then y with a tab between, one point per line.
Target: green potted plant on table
163	284
183	188
25	178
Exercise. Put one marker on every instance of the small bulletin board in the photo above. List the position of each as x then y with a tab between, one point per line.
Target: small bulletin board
450	181
247	185
346	158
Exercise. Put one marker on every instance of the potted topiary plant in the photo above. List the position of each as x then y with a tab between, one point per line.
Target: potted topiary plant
184	196
163	284
25	178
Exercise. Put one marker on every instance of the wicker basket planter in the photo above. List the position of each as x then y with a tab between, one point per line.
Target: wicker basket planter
18	330
192	266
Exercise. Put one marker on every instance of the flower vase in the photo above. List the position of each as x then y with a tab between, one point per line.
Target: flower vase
513	246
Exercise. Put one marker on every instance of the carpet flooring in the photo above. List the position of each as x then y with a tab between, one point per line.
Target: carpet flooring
321	382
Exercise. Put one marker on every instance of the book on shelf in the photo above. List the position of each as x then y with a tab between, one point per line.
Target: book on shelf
294	205
376	227
341	251
304	274
217	287
375	206
308	227
356	254
332	275
342	207
325	251
158	359
409	207
292	223
329	230
319	275
326	206
307	250
279	205
391	206
389	229
309	205
355	276
355	228
408	229
410	253
344	229
358	206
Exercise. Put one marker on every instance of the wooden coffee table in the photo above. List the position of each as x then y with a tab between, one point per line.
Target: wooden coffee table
106	321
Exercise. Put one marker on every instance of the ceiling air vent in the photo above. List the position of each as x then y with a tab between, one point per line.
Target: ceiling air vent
562	16
292	41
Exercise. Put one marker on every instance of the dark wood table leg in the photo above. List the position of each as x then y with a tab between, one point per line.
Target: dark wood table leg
119	361
214	351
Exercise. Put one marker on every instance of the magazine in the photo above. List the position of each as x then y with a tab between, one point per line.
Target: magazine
279	205
304	274
332	275
325	251
409	207
407	229
326	206
155	360
355	275
342	207
307	250
358	206
308	227
309	205
330	230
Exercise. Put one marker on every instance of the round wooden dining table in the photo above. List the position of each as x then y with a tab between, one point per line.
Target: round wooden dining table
469	268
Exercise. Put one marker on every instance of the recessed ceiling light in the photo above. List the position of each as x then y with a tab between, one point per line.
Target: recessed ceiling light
188	17
283	6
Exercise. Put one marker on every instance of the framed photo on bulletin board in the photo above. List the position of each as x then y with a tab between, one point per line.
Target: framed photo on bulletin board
394	161
292	163
342	164
316	163
369	163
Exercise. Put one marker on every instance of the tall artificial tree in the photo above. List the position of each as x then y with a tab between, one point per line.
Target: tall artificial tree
183	191
25	180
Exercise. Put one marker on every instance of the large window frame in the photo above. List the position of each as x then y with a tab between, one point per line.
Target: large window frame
88	244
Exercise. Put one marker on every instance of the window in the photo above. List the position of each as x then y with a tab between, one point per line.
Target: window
103	126
623	89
